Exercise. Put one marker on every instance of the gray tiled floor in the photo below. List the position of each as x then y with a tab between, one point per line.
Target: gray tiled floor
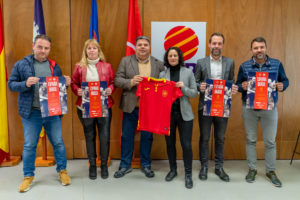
136	186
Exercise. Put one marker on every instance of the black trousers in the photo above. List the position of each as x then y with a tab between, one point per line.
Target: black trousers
89	127
220	124
185	129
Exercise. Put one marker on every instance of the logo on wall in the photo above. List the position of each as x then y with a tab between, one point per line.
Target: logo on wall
183	38
190	37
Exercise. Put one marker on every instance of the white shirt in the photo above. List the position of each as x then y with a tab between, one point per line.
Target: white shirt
91	71
216	68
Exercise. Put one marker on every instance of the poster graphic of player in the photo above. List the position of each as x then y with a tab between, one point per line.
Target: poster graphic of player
261	90
94	99
217	98
53	96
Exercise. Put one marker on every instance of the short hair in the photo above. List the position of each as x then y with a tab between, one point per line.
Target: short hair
180	56
258	39
142	37
216	34
83	61
42	36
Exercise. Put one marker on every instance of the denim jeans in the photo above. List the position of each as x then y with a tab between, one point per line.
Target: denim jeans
129	125
220	125
32	127
89	127
268	121
185	129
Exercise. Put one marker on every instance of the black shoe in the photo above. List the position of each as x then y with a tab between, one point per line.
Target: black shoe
104	172
222	174
172	174
148	172
122	171
274	179
188	181
203	173
93	172
250	178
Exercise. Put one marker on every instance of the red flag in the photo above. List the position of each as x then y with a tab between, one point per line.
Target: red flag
134	27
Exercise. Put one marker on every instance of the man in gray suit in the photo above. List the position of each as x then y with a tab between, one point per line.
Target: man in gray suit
214	66
130	72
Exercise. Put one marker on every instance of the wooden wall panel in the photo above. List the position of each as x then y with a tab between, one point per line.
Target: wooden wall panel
291	98
15	49
18	43
112	17
240	22
177	10
67	22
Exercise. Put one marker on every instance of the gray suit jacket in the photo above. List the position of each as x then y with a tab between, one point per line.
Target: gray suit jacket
189	90
128	68
203	72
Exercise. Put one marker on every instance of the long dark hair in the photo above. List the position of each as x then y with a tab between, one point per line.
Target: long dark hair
180	56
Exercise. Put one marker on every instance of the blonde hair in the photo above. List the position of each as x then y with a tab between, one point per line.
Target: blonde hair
83	61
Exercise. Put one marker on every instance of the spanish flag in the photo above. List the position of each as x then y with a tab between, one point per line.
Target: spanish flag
3	101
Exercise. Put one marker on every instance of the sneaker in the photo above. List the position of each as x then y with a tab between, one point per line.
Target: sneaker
25	185
274	179
148	172
250	178
122	171
64	177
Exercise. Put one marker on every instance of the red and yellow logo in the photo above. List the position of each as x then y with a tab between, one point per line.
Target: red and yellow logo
183	38
164	93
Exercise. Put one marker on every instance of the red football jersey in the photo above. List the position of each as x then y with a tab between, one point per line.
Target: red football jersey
156	97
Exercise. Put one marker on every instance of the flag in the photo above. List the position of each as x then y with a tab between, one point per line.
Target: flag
134	27
94	21
39	28
4	147
38	23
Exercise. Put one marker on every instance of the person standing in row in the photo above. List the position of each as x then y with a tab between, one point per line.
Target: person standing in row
130	72
214	66
181	113
24	80
92	67
261	62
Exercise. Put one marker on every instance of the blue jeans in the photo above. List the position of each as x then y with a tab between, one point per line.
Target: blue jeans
129	125
32	128
268	121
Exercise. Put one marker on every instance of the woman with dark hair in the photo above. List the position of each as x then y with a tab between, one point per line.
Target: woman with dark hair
181	113
92	67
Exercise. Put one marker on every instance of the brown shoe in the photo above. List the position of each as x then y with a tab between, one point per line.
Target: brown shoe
25	185
64	177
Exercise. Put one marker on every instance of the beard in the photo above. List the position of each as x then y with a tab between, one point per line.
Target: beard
216	52
260	56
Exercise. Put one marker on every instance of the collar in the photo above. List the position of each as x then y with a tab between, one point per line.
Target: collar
93	62
39	61
267	62
212	59
143	62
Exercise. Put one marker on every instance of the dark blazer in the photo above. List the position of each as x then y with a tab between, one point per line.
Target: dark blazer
189	90
203	72
128	68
